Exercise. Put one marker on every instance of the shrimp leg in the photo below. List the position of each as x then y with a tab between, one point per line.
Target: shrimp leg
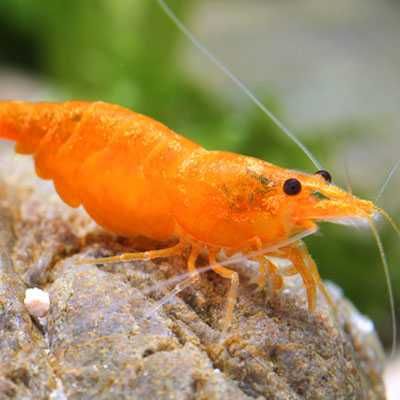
268	268
314	270
194	253
145	255
296	255
191	265
232	294
306	267
277	280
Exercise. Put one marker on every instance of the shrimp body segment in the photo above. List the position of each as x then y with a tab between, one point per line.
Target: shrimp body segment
135	176
114	162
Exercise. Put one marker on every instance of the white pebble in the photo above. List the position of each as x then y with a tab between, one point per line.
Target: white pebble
37	302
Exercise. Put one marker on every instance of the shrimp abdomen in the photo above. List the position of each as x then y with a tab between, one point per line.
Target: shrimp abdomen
102	156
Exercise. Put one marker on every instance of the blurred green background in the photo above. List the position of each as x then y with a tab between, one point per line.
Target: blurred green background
129	52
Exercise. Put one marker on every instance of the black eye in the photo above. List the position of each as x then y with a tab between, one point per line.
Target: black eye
325	174
292	186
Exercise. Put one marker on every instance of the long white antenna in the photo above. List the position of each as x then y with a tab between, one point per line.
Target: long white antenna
388	285
387	180
179	24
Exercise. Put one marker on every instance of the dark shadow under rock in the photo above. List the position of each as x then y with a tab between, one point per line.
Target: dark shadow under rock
105	337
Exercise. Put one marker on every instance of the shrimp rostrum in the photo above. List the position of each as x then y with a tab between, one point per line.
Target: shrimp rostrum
134	176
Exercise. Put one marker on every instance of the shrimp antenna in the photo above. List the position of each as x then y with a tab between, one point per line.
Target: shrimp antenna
388	283
389	219
196	42
387	180
347	175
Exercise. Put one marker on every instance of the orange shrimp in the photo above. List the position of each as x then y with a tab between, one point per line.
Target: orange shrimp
135	176
277	281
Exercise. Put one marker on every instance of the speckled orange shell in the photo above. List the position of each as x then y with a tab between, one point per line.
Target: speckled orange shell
114	162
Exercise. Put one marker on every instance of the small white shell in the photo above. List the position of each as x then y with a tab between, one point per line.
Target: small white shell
37	302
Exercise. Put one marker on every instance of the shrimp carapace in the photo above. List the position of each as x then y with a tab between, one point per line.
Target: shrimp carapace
135	176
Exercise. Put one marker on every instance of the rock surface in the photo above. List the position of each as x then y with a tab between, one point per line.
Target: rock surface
104	337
